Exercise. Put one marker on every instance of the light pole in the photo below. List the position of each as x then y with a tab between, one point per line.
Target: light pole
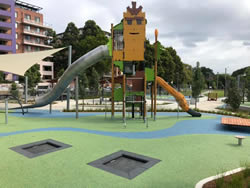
217	85
225	86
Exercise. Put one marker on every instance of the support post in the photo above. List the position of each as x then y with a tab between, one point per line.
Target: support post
124	98
6	111
77	96
50	108
155	69
145	99
26	90
113	79
68	89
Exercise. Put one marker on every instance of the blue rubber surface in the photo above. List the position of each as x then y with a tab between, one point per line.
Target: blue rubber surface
187	127
34	113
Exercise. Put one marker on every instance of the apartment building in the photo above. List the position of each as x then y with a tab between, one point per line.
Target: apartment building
31	34
7	27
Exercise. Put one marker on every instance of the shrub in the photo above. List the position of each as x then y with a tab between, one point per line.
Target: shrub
234	98
14	91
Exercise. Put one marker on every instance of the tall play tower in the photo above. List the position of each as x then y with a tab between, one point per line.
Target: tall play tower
130	77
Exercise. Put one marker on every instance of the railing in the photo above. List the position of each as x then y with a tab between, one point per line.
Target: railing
35	43
36	23
35	33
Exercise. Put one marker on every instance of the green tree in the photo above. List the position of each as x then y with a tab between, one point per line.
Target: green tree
92	36
1	77
14	90
208	75
179	67
94	81
248	83
34	76
198	83
70	37
166	66
50	37
234	98
149	54
83	84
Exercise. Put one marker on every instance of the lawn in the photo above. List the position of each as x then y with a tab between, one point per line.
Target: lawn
245	104
184	159
220	93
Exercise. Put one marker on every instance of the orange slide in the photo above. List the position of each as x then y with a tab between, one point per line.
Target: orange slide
178	96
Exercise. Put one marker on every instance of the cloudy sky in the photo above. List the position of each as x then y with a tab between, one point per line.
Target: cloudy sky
214	32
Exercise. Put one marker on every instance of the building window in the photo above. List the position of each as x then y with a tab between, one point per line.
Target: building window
47	77
37	40
17	46
27	37
37	19
27	17
16	24
37	49
28	48
37	30
47	68
27	27
16	36
16	14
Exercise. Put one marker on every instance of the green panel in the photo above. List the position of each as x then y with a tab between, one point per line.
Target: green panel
149	74
119	64
110	46
119	26
118	94
137	93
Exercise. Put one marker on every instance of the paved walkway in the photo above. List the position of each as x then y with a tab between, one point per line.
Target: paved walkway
204	104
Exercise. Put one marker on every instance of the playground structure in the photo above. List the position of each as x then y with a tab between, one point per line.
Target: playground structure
130	77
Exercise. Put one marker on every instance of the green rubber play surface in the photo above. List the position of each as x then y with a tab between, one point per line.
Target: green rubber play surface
184	159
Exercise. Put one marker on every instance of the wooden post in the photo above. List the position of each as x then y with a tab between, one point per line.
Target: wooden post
113	79
124	98
155	69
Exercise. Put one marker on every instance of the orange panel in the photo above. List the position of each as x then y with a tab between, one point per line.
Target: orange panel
118	55
134	25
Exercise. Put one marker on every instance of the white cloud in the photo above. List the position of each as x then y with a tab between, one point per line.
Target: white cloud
215	33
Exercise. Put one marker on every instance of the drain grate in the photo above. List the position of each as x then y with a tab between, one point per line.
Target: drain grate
39	148
125	164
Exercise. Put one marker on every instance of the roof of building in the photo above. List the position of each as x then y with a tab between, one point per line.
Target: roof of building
28	6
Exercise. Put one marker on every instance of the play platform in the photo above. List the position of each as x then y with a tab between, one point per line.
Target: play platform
235	121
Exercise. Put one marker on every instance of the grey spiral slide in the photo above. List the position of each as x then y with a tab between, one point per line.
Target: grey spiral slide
79	65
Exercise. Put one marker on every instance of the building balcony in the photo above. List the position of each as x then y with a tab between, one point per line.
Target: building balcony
6	48
35	43
34	33
6	25
6	36
5	13
34	23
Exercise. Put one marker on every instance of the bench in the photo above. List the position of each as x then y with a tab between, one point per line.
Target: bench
240	138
